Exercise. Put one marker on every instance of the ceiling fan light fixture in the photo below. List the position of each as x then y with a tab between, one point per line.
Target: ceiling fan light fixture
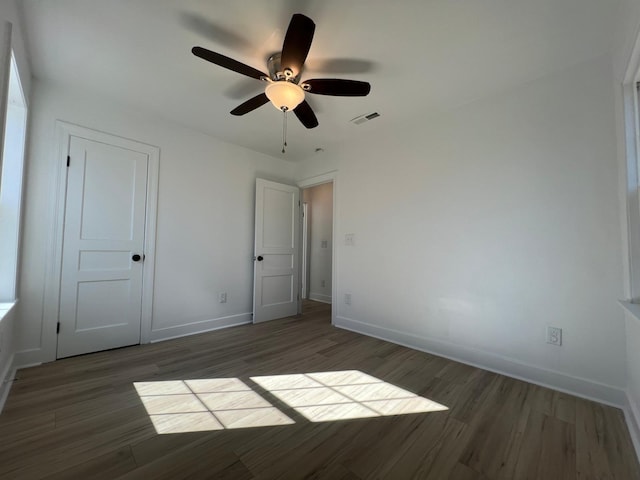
285	96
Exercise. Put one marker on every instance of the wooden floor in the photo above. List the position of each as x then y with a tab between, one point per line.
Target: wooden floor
82	418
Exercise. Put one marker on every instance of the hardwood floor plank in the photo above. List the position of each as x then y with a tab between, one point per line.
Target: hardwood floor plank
558	453
617	443
18	427
105	467
474	396
434	454
82	417
497	437
462	472
71	445
199	460
591	457
277	453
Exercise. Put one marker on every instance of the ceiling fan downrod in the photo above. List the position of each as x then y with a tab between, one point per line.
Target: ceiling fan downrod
284	129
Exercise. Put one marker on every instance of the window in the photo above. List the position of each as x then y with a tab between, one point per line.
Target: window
11	184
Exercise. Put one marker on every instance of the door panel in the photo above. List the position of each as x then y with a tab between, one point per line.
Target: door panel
96	309
276	289
276	245
109	180
278	204
101	287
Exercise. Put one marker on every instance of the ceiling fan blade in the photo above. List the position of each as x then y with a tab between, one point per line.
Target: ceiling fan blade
338	87
297	43
227	62
305	115
250	105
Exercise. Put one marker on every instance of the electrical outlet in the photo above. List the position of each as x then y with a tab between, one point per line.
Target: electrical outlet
222	297
349	239
324	244
322	283
554	336
347	298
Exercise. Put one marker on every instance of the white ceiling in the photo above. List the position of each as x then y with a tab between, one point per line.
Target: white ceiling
421	57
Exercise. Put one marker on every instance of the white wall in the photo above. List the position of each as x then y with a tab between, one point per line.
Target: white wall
320	223
477	229
8	341
204	240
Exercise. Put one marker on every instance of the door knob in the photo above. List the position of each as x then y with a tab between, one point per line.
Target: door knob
136	257
260	258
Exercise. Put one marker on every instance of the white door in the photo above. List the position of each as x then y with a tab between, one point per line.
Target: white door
275	287
102	256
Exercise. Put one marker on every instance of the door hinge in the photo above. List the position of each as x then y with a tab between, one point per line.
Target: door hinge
298	297
58	328
68	160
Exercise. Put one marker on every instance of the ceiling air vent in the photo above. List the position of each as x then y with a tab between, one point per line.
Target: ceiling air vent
364	118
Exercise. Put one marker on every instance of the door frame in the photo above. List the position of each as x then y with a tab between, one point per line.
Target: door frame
63	133
329	177
304	255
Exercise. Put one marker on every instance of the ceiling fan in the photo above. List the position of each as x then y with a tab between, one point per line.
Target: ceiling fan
284	89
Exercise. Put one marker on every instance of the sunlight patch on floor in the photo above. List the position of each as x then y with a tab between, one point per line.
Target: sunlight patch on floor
343	395
180	406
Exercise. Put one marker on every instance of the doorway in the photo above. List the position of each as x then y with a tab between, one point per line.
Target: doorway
317	247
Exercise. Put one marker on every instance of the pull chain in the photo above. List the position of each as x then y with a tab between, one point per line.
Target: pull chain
284	129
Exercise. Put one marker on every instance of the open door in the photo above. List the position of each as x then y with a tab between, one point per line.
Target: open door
275	281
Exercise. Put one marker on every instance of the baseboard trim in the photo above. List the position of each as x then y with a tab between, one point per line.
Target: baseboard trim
318	297
33	357
510	367
6	380
202	326
632	418
29	358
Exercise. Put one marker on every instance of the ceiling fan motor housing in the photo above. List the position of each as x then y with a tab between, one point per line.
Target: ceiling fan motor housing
277	73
